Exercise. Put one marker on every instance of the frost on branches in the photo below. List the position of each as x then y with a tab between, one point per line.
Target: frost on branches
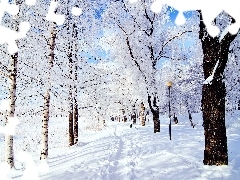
10	36
210	10
7	35
31	170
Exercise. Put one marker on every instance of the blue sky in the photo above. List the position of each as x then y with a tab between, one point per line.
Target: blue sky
173	16
174	13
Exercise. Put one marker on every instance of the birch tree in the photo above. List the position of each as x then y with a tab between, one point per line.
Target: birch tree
12	80
9	154
75	99
45	121
72	65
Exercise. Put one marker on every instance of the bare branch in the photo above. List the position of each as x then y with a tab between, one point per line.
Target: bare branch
136	63
121	28
169	40
170	58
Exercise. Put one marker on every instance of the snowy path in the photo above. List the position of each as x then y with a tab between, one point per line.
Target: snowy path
122	153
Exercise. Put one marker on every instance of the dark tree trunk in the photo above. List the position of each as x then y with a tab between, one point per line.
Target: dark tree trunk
213	96
75	109
190	119
75	115
71	105
156	121
124	118
70	119
155	112
134	118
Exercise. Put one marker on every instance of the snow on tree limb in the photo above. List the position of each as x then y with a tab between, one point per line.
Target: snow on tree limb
210	10
210	78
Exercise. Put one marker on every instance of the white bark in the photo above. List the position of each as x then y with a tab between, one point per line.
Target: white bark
142	115
44	149
9	155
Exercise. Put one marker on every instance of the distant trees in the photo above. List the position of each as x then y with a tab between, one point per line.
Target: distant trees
232	76
114	59
142	114
143	43
147	56
185	71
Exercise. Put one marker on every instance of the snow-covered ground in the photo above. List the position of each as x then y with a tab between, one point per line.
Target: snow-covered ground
118	152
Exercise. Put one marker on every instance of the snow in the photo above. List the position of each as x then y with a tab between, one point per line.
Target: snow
10	127
120	152
210	78
115	151
7	35
210	10
51	16
5	168
231	7
30	2
133	1
59	18
31	170
4	105
225	31
76	11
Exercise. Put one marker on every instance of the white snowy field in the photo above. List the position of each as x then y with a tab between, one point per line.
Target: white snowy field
119	152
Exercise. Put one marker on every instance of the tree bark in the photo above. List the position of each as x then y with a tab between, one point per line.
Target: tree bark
75	110
155	111
70	118
70	54
9	153
134	117
213	96
45	121
142	114
44	150
75	115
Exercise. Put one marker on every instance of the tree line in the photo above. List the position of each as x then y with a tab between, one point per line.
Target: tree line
114	56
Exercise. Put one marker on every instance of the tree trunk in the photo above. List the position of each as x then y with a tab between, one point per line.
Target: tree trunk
9	154
156	121
70	119
142	114
75	112
134	117
155	112
213	96
124	118
75	115
70	100
44	150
